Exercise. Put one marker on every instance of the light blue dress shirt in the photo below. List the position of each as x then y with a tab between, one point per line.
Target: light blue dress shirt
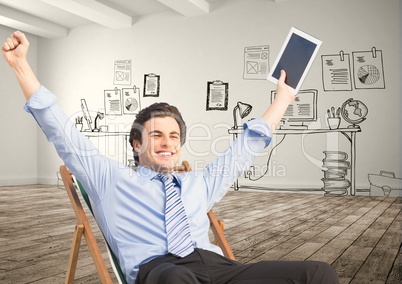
129	205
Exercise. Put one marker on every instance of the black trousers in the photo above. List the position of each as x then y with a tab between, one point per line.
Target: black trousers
202	267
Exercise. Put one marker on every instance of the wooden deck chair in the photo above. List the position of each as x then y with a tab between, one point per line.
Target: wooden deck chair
83	228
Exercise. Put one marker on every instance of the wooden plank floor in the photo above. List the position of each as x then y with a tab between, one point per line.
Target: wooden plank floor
360	236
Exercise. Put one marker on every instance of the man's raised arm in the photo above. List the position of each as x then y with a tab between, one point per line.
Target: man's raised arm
15	50
276	110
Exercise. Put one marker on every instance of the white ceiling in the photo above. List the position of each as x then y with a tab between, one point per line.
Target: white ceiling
54	18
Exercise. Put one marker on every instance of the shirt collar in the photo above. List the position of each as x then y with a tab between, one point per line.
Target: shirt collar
147	172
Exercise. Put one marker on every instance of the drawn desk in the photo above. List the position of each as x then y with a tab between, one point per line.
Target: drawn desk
122	155
349	133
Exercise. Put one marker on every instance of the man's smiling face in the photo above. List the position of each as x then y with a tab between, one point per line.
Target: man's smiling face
160	147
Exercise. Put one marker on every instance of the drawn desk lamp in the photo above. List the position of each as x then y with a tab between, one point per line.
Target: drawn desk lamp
99	115
242	110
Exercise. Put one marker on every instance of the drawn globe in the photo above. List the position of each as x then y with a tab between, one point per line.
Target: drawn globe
354	111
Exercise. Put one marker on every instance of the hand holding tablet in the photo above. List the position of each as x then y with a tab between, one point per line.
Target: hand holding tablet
296	56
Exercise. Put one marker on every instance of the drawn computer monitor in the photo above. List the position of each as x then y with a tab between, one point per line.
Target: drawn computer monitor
301	111
87	115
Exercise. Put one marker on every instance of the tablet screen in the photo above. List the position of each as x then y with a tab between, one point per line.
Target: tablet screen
296	57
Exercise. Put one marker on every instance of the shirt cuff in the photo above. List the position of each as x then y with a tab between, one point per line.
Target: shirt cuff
41	99
259	129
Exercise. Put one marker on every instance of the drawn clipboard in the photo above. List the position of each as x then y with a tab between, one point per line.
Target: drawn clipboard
217	95
151	85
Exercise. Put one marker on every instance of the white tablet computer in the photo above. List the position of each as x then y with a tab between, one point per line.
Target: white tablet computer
296	56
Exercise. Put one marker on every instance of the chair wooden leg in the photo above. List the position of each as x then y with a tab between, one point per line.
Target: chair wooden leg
217	229
82	229
222	225
75	249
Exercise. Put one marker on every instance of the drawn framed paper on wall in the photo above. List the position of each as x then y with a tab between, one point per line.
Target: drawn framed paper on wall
256	62
336	74
113	102
151	85
368	69
131	100
122	72
217	95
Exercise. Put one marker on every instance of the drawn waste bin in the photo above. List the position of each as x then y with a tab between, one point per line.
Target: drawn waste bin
335	168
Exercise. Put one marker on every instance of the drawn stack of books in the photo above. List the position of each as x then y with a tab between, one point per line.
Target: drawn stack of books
335	168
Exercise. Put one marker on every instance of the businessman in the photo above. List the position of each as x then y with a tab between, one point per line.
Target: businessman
154	219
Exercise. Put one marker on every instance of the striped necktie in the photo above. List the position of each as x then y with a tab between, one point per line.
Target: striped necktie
177	227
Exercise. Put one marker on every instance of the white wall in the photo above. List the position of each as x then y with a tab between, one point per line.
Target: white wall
400	91
188	52
18	142
400	83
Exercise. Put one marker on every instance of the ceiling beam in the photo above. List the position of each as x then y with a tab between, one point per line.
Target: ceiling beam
21	21
95	12
188	8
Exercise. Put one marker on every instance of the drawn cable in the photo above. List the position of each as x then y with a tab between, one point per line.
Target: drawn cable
269	159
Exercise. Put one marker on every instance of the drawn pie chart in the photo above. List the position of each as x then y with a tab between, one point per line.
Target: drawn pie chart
368	74
131	104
